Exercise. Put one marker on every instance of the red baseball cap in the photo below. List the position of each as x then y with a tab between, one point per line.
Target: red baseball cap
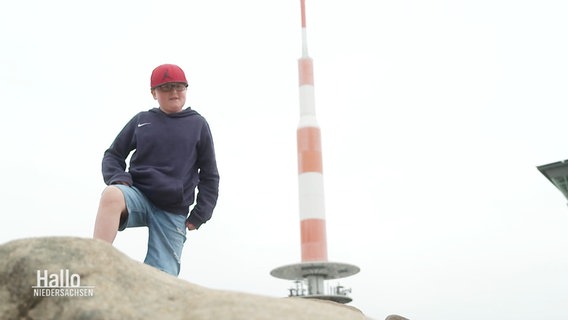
166	73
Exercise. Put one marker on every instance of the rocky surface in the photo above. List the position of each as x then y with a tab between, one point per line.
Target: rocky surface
106	284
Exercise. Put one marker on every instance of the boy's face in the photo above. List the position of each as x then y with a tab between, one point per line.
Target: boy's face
170	96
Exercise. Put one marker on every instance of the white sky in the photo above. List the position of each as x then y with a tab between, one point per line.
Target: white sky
434	116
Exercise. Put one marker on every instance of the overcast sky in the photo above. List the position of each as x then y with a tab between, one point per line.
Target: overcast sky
434	115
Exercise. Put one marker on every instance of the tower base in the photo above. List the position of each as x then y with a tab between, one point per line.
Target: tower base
312	275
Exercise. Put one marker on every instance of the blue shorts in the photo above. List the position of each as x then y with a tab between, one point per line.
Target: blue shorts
166	231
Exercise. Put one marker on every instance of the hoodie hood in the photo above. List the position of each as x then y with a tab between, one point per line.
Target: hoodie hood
183	113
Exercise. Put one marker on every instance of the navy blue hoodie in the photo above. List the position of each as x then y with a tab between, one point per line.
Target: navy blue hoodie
173	155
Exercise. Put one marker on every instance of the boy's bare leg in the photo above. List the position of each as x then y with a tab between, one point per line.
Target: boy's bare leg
111	208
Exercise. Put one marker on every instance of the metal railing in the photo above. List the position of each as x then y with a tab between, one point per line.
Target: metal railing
300	289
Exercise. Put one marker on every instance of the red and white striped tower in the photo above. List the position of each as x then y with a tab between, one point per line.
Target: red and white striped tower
310	174
314	268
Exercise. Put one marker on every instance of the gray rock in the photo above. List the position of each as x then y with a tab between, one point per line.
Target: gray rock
395	317
114	286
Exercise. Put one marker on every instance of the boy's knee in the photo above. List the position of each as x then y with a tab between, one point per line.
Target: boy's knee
112	196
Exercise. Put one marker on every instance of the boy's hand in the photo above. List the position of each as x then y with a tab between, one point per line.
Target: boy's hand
189	226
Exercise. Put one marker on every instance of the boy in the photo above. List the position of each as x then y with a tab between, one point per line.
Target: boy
173	155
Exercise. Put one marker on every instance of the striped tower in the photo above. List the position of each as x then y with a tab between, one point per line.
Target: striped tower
314	268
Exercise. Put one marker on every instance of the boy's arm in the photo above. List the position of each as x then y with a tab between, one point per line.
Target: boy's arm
114	159
208	187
